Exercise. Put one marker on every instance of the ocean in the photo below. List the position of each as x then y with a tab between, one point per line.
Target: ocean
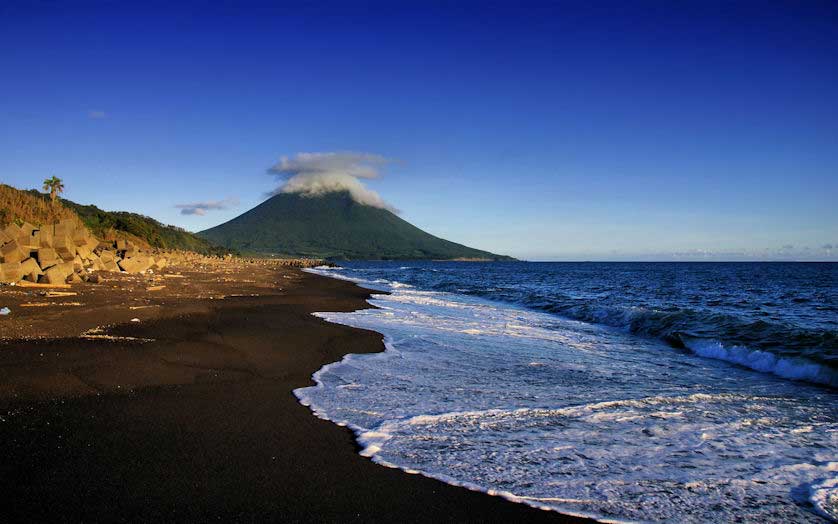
662	392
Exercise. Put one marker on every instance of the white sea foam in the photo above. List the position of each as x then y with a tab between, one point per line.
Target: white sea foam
579	418
767	362
824	495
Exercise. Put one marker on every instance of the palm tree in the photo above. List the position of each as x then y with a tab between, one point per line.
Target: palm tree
55	186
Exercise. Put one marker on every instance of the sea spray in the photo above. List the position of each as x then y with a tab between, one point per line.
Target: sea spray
740	312
577	417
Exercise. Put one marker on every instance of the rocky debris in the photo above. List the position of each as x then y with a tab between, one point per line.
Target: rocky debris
12	252
67	253
58	274
10	272
300	262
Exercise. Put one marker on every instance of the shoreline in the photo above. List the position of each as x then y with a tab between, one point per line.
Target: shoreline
426	424
201	422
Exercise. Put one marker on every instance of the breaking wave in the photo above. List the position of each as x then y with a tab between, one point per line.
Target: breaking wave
577	417
774	318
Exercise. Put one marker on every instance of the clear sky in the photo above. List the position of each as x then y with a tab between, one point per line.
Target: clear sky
629	130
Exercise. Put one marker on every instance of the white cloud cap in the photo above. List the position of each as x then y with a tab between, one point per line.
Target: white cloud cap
315	174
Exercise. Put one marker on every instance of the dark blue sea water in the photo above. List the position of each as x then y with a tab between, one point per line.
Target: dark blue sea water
744	312
677	392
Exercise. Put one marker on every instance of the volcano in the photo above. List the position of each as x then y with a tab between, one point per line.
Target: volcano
334	226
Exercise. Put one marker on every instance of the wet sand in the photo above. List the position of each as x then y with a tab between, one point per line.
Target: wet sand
188	414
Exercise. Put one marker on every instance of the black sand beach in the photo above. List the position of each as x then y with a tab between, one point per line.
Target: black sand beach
201	424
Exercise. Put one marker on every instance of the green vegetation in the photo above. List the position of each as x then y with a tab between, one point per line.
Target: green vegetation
30	206
155	234
38	208
333	226
54	186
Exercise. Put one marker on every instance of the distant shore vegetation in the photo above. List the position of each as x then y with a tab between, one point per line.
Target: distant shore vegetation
37	208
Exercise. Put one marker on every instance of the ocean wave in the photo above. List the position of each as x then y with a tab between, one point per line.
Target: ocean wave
824	496
766	361
741	425
673	323
569	415
785	351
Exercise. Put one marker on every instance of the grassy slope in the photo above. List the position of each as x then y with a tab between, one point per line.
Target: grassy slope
333	226
154	233
34	207
17	205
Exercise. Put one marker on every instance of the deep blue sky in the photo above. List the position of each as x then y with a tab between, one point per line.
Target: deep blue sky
549	132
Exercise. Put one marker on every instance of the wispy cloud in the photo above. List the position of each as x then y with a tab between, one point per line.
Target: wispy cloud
314	174
97	115
201	208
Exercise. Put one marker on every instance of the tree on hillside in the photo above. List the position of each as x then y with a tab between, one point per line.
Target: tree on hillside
55	186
